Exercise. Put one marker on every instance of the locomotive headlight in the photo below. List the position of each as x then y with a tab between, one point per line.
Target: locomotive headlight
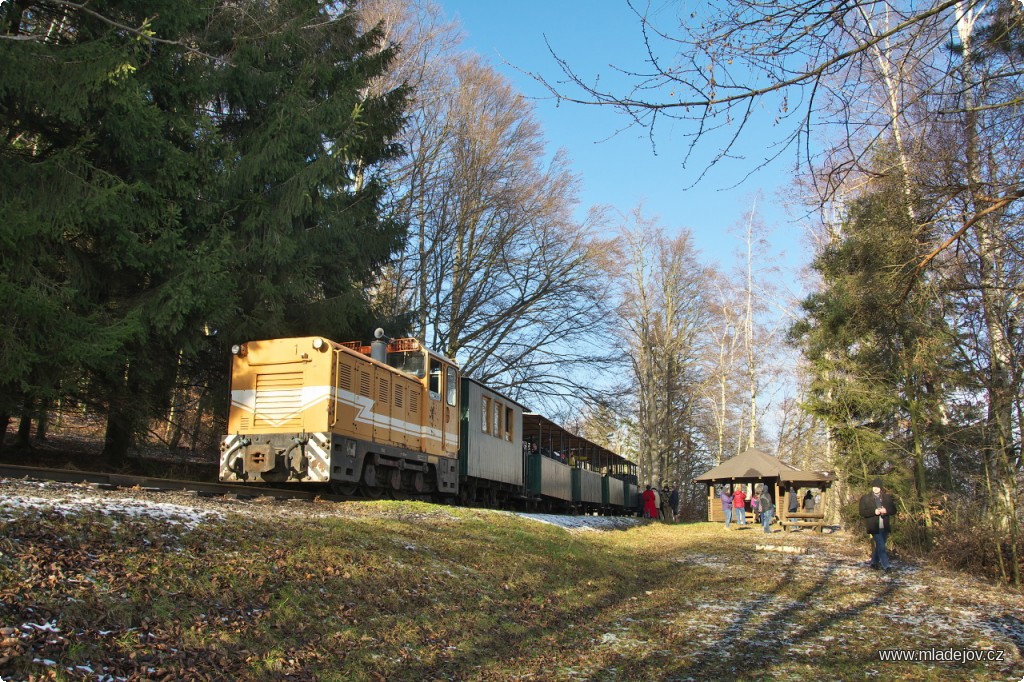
240	349
319	344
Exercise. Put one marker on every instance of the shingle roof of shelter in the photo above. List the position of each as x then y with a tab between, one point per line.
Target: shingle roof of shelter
756	465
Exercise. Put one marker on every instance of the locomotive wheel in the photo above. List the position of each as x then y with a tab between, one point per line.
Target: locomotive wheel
395	479
370	475
415	481
371	491
368	486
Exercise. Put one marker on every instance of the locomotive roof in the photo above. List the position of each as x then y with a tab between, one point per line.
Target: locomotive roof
402	345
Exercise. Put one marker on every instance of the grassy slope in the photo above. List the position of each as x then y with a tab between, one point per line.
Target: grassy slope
407	591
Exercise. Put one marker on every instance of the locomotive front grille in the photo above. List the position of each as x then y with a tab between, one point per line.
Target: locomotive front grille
279	401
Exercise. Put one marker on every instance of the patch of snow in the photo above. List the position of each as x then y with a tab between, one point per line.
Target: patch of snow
45	627
585	522
74	501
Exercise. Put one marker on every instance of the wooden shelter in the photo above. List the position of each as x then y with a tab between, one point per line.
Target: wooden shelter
754	466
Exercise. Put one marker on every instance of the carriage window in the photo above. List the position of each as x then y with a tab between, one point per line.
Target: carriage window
508	424
485	410
453	386
496	431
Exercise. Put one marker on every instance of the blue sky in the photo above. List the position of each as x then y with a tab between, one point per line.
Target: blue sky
622	169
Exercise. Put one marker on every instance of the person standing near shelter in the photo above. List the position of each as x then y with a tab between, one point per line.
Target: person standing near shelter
657	504
650	510
877	507
793	499
739	506
767	508
673	504
726	506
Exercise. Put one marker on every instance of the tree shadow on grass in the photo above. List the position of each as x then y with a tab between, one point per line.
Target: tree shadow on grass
528	640
1010	626
758	632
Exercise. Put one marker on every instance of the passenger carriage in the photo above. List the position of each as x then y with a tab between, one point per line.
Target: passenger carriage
568	471
491	461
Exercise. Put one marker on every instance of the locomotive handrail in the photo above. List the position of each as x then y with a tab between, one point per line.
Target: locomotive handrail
334	381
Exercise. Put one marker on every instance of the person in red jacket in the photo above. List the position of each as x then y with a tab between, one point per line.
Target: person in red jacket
739	506
650	508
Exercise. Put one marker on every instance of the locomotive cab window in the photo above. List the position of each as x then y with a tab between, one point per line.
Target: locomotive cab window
435	379
452	386
408	362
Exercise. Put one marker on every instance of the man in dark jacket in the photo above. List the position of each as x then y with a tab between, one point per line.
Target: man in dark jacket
877	508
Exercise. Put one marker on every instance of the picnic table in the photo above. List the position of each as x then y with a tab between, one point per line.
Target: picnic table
794	520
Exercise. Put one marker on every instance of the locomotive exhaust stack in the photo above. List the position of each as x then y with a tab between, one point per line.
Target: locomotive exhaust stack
379	347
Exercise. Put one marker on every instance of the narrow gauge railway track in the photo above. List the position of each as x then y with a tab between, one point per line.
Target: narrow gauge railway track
106	481
115	481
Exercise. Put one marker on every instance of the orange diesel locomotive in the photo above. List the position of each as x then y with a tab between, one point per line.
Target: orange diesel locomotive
309	410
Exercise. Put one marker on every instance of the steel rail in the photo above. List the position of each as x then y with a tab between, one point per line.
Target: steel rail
150	483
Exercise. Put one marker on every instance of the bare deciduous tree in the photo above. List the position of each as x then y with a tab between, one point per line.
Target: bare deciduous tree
499	271
664	314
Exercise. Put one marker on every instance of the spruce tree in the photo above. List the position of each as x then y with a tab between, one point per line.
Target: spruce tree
879	351
299	189
93	185
170	167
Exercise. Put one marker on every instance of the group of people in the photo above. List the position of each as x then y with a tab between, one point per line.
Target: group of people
535	449
762	504
876	507
658	506
734	506
808	504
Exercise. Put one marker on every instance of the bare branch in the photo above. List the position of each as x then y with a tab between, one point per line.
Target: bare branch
142	32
